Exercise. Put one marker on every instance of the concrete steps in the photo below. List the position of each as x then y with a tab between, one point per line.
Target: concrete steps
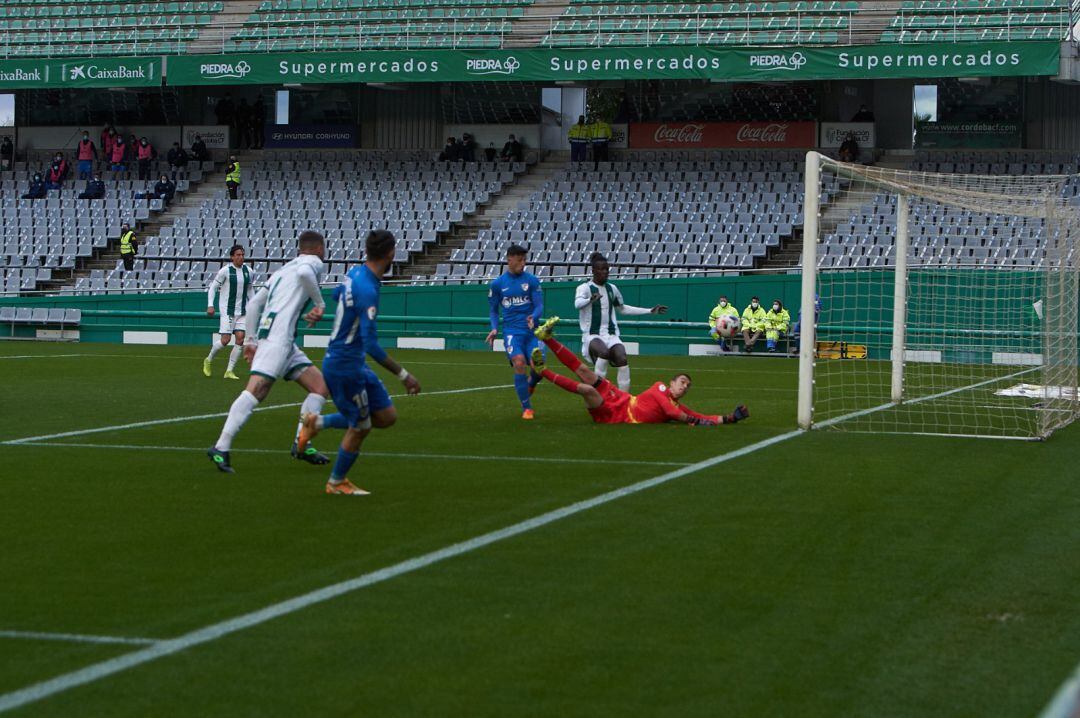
213	37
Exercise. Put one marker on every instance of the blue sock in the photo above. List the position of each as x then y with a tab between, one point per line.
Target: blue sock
335	421
534	378
345	460
521	386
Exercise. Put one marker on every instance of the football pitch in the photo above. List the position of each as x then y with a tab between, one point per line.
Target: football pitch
505	568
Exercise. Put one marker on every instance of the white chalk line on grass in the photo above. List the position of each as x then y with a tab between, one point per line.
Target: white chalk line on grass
103	669
217	415
377	454
1066	702
78	638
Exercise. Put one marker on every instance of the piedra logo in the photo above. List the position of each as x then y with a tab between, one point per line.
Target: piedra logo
221	70
493	66
792	62
682	134
772	133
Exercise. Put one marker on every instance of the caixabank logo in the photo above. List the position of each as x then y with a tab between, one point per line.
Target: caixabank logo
89	71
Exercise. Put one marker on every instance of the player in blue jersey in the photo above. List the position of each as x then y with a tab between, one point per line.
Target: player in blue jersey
518	294
360	397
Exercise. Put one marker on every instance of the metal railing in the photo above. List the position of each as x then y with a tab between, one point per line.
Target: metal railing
847	27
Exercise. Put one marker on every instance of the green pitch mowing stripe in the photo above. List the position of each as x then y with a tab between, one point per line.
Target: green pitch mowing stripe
96	672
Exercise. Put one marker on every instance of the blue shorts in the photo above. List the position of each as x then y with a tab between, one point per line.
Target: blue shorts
521	343
357	393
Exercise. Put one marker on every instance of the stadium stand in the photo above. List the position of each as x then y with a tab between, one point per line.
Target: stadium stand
343	193
958	21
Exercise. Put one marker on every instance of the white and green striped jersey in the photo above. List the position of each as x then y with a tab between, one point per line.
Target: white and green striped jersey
598	317
277	306
233	289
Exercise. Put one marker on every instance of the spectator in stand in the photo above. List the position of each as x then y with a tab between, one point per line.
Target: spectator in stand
131	147
243	125
95	189
7	154
451	152
147	154
54	179
105	132
579	140
258	122
468	148
232	177
199	151
86	154
224	110
61	162
37	188
849	149
863	115
753	323
108	142
600	134
118	152
177	158
776	325
164	189
490	153
512	151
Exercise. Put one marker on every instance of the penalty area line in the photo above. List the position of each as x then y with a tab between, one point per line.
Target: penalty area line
376	454
216	415
161	649
78	638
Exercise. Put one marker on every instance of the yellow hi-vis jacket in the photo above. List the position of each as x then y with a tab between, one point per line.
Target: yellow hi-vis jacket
579	133
600	131
753	319
718	312
127	242
776	323
234	175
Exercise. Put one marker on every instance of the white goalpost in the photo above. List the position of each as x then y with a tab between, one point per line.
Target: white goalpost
941	304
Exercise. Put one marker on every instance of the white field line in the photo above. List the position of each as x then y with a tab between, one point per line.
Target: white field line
1066	702
77	638
103	669
45	356
378	454
218	415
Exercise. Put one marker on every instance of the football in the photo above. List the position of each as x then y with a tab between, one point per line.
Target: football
728	326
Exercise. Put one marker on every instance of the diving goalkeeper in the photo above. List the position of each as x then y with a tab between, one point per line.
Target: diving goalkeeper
607	404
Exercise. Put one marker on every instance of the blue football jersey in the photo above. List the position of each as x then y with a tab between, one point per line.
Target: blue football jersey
519	297
354	334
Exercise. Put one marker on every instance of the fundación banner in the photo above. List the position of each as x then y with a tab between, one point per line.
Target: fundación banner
691	135
833	134
92	72
630	63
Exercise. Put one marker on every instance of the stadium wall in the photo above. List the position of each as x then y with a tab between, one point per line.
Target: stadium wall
182	319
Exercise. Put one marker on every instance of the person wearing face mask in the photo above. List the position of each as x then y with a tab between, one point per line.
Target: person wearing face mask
722	309
61	165
147	154
37	188
55	177
753	323
87	153
777	321
118	150
95	189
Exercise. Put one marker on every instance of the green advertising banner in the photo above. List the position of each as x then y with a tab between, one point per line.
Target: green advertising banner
91	72
968	135
637	63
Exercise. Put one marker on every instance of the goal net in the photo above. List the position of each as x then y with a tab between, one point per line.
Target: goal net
945	303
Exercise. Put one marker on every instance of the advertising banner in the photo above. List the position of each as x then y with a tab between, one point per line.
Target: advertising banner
216	137
969	135
833	134
310	136
699	135
880	61
93	72
620	137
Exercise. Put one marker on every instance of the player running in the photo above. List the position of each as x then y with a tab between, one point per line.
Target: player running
271	350
229	290
360	397
518	293
596	302
659	404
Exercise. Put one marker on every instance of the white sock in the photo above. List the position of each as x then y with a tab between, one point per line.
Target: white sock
313	404
234	355
238	414
601	367
624	378
215	347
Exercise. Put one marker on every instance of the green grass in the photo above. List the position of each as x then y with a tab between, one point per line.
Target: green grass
830	574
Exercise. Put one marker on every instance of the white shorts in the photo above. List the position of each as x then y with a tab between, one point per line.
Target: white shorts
230	325
274	360
609	340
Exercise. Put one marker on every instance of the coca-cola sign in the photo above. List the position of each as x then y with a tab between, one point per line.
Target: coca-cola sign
723	134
